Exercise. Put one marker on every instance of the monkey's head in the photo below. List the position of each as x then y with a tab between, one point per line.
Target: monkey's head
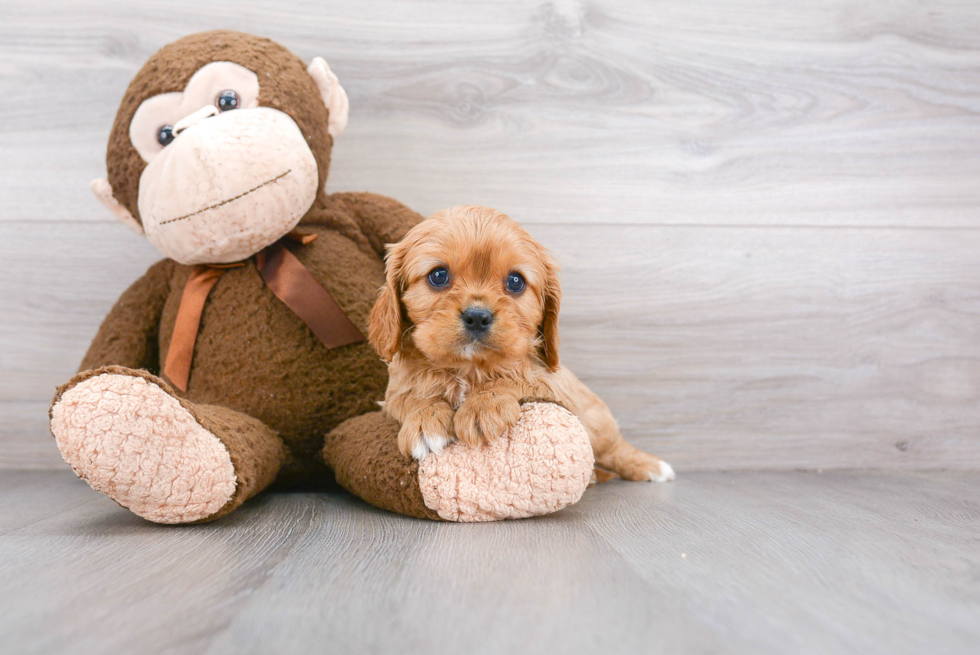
221	146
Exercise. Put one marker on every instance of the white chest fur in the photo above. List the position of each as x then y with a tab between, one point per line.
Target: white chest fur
456	392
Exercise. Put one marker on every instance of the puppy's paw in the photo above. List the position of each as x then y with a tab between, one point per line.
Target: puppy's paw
428	430
663	473
484	416
641	466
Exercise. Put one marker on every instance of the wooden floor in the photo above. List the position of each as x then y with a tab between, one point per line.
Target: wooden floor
748	562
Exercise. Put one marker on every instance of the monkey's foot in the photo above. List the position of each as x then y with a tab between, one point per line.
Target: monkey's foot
539	466
132	440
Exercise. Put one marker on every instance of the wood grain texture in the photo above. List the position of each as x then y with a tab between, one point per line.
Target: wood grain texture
733	348
739	562
716	348
724	112
767	213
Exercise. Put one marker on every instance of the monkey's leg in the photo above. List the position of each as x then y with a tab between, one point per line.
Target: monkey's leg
363	453
539	466
168	460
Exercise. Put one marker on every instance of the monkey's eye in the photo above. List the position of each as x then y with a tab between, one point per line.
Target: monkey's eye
439	277
227	100
515	282
165	135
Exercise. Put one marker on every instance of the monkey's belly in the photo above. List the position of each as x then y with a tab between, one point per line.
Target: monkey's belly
254	355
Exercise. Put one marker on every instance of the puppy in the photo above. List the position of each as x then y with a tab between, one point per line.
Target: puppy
468	322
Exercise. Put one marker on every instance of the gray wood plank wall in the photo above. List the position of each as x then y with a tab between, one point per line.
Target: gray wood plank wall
768	213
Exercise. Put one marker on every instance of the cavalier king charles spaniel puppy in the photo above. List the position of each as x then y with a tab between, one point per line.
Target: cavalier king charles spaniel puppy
468	323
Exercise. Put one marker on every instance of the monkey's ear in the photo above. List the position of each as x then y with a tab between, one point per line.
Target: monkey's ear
334	96
385	323
103	191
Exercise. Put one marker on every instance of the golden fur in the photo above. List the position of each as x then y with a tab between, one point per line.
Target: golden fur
445	383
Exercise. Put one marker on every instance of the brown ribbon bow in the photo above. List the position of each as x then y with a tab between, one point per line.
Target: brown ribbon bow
287	278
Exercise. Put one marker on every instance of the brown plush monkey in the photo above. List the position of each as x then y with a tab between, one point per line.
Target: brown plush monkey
227	364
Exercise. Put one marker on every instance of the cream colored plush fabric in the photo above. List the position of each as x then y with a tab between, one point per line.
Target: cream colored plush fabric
227	187
539	466
334	96
132	441
201	91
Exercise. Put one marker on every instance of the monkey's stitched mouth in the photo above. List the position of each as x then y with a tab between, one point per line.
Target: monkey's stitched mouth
225	202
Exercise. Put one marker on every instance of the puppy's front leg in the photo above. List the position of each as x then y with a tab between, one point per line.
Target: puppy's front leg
427	428
487	413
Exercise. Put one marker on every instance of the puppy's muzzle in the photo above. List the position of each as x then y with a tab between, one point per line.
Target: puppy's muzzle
477	321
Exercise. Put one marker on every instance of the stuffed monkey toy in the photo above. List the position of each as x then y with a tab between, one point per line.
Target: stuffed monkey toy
240	360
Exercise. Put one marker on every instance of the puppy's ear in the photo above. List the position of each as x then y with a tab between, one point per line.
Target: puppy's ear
385	324
552	305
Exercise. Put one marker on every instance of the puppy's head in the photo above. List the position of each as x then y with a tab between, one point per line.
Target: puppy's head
469	285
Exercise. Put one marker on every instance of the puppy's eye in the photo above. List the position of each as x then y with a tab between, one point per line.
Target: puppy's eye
439	277
515	282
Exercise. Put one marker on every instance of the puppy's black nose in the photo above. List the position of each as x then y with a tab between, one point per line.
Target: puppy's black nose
476	320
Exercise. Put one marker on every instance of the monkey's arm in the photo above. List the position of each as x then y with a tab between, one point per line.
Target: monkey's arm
128	335
382	220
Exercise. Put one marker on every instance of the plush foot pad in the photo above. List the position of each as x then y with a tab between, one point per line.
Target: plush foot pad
539	466
134	442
